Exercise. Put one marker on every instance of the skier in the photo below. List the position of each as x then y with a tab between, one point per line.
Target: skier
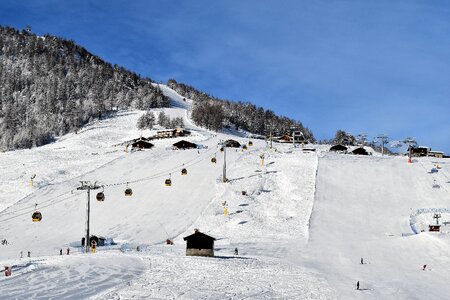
357	285
29	254
424	267
236	251
68	251
60	251
21	254
362	261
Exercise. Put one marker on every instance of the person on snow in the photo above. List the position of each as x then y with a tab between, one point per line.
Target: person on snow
68	251
362	261
60	251
29	254
357	285
236	251
424	267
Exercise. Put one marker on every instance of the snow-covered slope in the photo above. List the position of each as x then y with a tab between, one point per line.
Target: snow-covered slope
301	228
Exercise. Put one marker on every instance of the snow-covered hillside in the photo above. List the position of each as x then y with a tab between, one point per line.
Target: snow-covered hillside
304	223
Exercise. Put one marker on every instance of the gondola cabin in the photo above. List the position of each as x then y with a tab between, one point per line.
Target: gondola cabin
100	197
199	244
36	217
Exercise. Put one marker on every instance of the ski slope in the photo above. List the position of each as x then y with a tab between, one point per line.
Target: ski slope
301	229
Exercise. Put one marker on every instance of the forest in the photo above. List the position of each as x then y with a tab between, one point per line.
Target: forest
50	86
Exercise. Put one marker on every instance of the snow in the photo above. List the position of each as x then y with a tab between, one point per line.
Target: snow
304	223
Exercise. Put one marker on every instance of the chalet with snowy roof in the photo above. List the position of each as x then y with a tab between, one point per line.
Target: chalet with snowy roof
419	151
360	151
285	139
170	133
183	145
199	244
338	148
142	144
437	154
232	144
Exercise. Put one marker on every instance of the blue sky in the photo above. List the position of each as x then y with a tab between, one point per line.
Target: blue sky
362	66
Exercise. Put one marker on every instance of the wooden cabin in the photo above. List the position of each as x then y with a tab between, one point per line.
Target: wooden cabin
434	228
183	145
437	154
199	244
232	144
419	151
360	151
142	144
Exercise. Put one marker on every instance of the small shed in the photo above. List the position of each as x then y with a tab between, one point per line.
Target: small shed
285	139
360	151
142	144
435	228
99	240
232	144
199	244
184	145
338	148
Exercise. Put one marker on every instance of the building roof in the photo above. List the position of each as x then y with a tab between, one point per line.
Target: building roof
198	235
184	145
232	143
360	151
338	148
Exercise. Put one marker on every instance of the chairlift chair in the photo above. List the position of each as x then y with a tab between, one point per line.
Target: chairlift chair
213	160
184	171
128	191
221	149
244	147
250	143
37	216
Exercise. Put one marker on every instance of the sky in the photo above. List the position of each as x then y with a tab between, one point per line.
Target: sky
373	67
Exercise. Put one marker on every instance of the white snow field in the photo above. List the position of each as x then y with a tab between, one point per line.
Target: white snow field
301	229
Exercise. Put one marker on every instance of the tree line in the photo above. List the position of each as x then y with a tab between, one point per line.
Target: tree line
214	113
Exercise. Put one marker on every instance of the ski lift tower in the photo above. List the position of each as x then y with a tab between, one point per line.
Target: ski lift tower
87	186
383	139
436	227
269	128
410	141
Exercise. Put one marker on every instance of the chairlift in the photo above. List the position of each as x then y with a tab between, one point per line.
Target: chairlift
100	196
128	191
168	181
37	216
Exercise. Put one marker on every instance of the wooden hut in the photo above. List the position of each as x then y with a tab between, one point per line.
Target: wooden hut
232	144
181	145
142	144
360	151
199	244
99	240
338	148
